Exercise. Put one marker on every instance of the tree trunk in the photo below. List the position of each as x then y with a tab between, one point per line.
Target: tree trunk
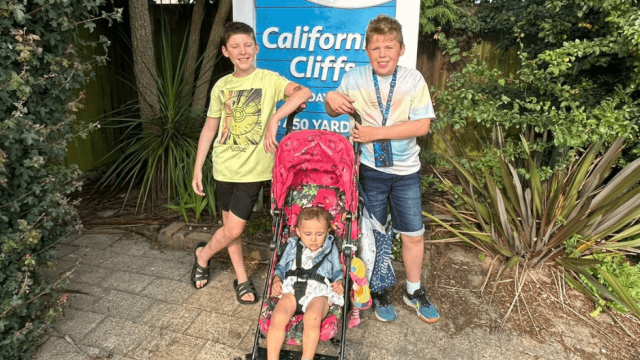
144	65
194	43
202	88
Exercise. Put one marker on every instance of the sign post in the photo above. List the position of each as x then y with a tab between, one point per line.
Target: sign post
314	42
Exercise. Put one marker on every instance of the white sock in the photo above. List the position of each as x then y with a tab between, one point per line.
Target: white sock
412	287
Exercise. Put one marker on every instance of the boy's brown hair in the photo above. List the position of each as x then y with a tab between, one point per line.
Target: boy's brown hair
314	212
384	25
235	28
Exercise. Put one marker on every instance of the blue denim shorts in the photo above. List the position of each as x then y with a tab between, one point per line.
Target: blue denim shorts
401	193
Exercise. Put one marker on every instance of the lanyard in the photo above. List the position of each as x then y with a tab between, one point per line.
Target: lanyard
385	112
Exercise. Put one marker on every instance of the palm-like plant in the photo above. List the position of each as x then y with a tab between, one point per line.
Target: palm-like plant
529	220
155	150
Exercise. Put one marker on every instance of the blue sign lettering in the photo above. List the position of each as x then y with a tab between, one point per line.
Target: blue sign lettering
314	43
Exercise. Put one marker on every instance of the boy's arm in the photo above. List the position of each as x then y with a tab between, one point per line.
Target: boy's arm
204	144
297	94
406	130
337	103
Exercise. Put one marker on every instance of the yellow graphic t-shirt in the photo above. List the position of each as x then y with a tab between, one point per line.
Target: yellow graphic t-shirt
244	106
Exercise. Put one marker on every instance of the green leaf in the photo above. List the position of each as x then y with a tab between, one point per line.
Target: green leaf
624	298
18	14
512	261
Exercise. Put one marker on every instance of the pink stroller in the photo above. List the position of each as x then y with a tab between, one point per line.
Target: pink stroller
312	168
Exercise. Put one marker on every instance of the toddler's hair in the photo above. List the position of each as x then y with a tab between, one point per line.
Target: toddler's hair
384	25
235	28
314	212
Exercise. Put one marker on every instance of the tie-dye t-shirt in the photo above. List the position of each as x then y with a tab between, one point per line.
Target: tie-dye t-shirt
411	101
244	106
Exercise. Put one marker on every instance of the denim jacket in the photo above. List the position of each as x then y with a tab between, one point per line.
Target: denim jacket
331	268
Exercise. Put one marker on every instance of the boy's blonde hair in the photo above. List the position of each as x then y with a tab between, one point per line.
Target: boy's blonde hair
384	25
314	212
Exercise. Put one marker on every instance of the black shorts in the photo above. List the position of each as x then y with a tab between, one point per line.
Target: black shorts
238	198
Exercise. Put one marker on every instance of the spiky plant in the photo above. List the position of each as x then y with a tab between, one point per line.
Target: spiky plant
528	220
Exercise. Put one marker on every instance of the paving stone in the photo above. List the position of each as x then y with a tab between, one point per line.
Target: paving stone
69	238
171	255
91	256
99	241
164	269
216	351
122	305
95	353
250	312
168	290
126	281
246	345
124	262
52	274
136	246
88	297
163	344
225	300
170	317
63	250
117	336
90	274
56	348
77	323
221	277
220	328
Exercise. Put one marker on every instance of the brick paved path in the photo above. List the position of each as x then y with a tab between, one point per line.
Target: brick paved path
133	302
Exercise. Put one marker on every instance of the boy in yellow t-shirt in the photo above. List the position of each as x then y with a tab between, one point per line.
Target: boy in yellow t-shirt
243	152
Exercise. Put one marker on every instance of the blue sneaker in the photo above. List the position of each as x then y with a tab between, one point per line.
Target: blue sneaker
424	308
382	303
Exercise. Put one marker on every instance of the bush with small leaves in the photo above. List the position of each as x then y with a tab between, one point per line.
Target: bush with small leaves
41	78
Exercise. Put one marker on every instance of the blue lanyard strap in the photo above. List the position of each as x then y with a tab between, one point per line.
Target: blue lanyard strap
392	87
382	151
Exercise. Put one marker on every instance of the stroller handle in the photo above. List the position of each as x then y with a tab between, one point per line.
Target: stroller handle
356	117
292	116
358	120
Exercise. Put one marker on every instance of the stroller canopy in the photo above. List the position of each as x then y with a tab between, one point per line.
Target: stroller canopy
316	157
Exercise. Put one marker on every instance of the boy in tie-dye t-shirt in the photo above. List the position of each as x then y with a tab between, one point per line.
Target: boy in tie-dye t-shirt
395	106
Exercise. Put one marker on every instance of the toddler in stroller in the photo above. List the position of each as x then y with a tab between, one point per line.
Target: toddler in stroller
313	169
312	273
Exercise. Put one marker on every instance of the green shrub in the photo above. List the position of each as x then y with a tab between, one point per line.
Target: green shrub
158	151
41	76
555	171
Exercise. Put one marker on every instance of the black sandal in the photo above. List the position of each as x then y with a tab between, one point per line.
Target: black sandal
244	289
199	273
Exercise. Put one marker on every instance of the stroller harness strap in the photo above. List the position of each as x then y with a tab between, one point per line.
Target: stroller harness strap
304	275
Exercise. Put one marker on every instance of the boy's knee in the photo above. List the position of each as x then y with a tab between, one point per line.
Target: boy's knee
231	232
412	240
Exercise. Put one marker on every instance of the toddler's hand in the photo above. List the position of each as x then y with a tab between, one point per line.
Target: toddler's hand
276	289
337	287
356	287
